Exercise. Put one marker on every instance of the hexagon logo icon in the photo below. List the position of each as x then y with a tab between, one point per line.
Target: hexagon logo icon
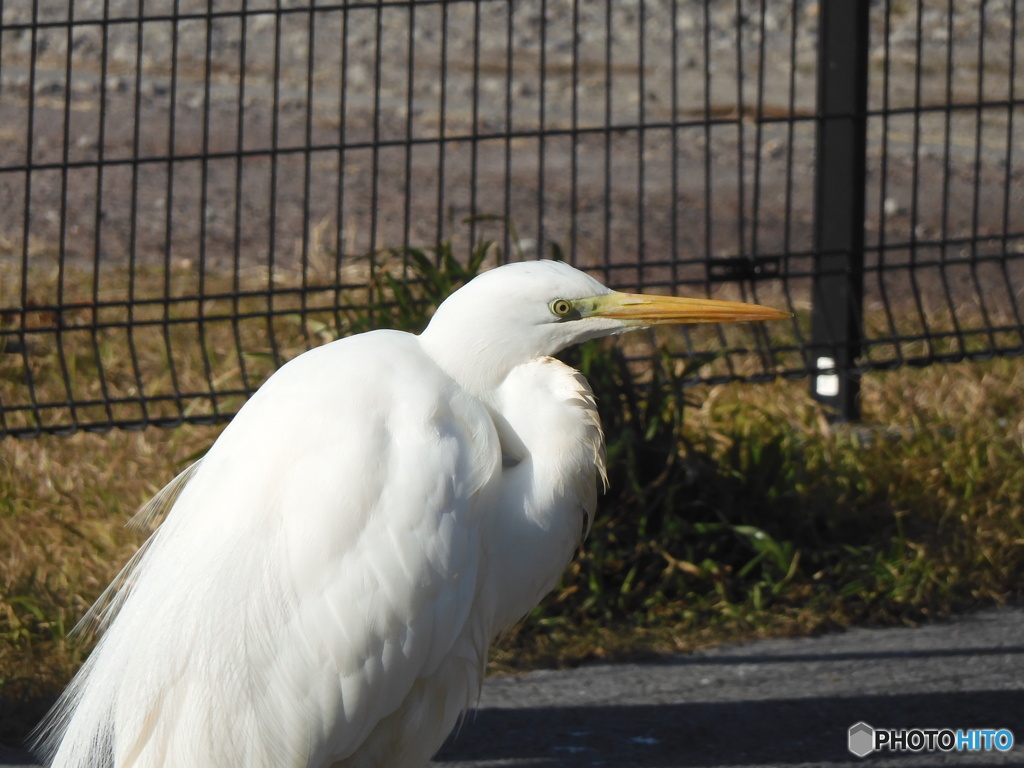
861	739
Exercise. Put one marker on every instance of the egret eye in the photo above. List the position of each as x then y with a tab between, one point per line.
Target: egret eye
561	307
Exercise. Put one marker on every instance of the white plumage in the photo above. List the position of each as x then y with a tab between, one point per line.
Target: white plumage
328	578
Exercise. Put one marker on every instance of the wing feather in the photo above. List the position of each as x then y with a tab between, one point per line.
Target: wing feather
316	568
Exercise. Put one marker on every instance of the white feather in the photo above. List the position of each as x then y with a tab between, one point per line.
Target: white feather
327	580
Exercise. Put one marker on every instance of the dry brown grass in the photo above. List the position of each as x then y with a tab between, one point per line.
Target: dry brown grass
64	502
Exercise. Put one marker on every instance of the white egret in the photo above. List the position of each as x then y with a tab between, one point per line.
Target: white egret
328	578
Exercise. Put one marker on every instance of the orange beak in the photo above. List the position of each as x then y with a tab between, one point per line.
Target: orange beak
671	310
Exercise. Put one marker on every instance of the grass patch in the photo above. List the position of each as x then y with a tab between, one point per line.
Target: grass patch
735	511
766	520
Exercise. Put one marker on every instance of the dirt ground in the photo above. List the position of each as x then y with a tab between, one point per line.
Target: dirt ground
649	139
638	133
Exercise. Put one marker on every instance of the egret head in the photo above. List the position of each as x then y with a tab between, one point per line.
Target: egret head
525	310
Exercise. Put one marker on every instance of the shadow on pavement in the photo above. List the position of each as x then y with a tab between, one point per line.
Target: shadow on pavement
773	732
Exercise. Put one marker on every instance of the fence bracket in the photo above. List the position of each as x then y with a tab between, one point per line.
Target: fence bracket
744	268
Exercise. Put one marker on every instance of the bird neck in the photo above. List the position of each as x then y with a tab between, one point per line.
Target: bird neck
553	457
478	366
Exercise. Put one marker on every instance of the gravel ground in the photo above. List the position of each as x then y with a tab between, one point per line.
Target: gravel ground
771	702
649	135
646	136
465	70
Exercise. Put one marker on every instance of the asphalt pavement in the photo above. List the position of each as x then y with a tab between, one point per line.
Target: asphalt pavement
785	702
767	703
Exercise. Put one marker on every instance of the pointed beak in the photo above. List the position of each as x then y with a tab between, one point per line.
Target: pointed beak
640	309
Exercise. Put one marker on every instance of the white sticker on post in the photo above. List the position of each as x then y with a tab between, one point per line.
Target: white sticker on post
826	384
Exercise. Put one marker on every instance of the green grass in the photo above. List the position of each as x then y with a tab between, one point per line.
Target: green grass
734	512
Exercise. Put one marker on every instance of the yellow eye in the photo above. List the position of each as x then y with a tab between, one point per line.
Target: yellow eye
561	307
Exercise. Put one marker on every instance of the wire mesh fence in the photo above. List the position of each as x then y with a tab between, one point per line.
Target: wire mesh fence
191	192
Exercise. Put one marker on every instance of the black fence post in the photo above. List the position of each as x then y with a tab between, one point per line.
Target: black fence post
839	205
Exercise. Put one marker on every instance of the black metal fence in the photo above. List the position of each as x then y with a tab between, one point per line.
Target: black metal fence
192	191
